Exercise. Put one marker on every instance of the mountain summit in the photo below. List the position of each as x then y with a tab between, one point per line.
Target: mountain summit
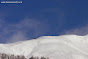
54	47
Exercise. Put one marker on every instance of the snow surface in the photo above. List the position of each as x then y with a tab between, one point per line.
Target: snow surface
54	47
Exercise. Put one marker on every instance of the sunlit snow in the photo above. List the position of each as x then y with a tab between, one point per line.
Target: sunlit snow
54	47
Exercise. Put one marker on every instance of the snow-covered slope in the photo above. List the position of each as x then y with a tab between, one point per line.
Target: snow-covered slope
54	47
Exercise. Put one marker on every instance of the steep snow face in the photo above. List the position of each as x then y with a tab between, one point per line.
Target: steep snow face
54	47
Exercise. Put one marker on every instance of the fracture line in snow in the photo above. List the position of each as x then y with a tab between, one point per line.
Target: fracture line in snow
72	46
33	49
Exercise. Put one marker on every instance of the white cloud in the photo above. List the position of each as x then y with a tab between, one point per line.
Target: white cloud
78	31
19	36
25	29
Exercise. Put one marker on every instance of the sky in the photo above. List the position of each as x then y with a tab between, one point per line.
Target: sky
36	18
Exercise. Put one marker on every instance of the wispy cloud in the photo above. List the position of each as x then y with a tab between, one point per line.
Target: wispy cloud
28	28
23	30
78	31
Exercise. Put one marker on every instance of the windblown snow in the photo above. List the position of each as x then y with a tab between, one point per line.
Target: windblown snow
54	47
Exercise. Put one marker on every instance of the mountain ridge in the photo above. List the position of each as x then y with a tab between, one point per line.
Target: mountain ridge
54	47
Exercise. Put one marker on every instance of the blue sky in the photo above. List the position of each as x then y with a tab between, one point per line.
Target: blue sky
35	18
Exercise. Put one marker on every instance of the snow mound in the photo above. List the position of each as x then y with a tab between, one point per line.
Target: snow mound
54	47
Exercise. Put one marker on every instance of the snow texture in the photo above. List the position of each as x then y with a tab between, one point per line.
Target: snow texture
54	47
